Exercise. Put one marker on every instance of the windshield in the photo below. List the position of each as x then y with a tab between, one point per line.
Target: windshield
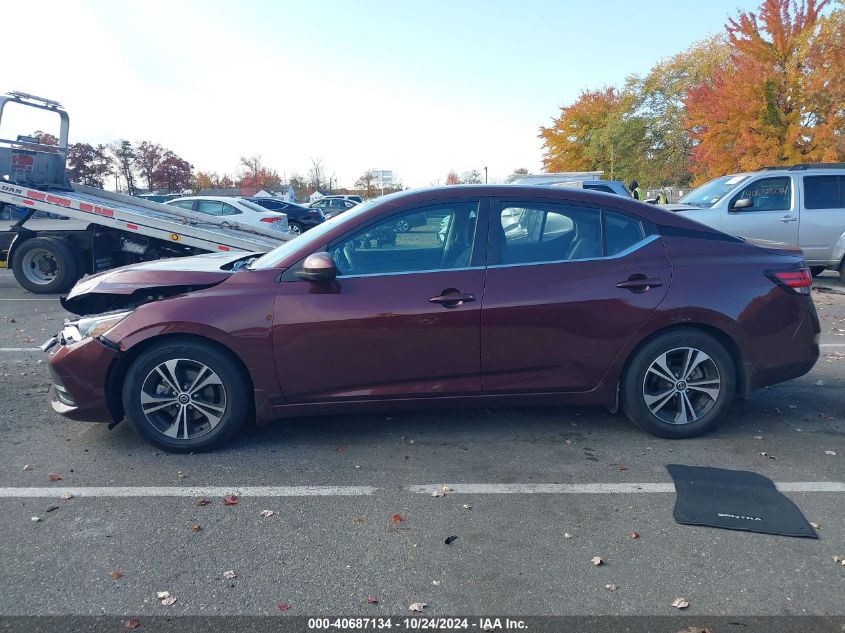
711	192
313	238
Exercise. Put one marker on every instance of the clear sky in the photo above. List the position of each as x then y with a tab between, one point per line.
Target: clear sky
417	87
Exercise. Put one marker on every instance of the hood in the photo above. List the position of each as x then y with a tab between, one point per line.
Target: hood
680	207
130	286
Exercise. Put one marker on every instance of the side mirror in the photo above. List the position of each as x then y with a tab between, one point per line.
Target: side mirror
318	267
742	203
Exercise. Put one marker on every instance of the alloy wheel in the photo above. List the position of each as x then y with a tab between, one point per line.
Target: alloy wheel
183	399
681	385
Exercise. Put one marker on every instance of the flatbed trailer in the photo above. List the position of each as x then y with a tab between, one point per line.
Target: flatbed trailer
119	229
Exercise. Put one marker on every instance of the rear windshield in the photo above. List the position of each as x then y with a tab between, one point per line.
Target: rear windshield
711	192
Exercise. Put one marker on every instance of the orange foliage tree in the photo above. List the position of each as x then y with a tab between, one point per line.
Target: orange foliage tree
779	100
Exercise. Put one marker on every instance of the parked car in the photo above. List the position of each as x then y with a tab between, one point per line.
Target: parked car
232	211
332	206
300	218
594	300
801	206
353	198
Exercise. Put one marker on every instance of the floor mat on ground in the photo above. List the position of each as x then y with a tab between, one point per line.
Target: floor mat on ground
735	500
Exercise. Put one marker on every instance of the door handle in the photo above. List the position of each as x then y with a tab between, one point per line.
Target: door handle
452	298
640	283
788	218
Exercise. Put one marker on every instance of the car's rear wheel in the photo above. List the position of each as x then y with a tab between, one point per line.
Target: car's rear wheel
295	228
186	396
678	384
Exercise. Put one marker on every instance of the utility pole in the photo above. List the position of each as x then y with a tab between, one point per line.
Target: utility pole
485	175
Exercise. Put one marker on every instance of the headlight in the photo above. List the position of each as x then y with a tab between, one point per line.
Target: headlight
93	326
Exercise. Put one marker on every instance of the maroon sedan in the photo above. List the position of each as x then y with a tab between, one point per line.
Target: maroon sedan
508	295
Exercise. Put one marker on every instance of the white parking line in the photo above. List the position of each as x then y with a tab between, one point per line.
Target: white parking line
597	489
189	491
832	345
357	491
29	299
20	349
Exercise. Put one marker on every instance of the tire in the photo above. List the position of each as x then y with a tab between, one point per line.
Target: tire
668	416
45	264
295	228
209	417
402	226
815	271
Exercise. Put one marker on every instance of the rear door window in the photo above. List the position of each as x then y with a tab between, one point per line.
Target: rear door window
824	192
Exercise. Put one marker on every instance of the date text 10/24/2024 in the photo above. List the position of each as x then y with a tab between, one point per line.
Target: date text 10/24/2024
416	624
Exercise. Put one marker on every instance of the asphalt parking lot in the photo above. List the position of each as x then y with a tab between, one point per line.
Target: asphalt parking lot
334	484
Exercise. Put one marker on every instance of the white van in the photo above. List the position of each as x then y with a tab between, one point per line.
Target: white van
800	206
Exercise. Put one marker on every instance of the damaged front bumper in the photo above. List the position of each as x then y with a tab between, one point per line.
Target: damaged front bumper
79	370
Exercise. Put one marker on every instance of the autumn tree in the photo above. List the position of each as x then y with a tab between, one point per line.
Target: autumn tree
205	180
173	173
148	157
299	184
123	155
88	164
226	182
452	178
366	183
779	100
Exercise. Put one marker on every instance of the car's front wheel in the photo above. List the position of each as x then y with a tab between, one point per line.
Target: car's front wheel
186	395
678	384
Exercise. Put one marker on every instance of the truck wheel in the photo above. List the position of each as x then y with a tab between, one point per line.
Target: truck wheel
43	265
678	384
186	396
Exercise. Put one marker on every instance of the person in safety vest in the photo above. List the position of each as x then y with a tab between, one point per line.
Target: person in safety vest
636	192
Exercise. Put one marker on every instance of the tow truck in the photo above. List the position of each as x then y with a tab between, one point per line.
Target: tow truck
118	229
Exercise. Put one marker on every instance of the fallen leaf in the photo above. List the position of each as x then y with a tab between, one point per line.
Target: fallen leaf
52	477
596	560
764	453
759	437
450	539
339	449
180	474
680	603
438	493
358	520
567	535
436	583
831	453
820	383
202	502
622	468
611	587
168	601
283	606
161	595
196	527
371	600
230	574
267	513
694	629
66	496
35	519
815	526
27	467
116	574
446	488
634	535
131	623
396	518
231	500
418	606
466	506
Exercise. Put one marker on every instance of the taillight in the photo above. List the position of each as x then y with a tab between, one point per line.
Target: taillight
796	280
273	219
